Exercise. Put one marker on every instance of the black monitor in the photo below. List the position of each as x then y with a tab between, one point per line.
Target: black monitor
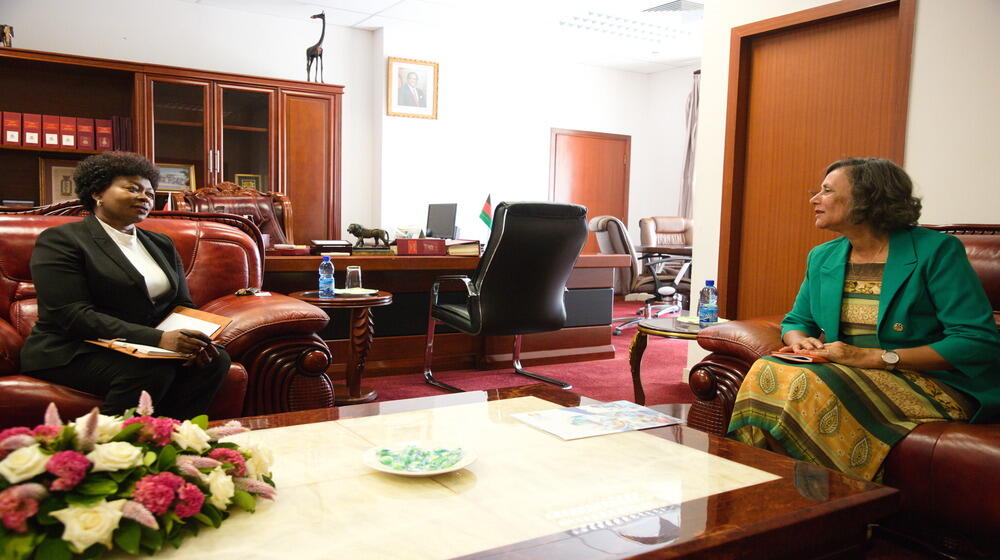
441	220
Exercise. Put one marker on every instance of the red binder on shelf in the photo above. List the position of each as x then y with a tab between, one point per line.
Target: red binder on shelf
67	132
102	135
50	131
11	129
31	129
85	134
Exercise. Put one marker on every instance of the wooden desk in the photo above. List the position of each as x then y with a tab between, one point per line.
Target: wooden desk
671	492
402	326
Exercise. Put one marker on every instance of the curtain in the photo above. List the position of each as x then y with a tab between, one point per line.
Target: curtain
685	210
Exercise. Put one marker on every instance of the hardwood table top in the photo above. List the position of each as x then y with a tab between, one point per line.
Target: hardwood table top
635	494
344	302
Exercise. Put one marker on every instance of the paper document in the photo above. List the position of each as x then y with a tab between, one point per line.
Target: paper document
181	318
596	419
176	321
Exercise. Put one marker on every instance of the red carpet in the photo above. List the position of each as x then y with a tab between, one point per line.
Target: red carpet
607	380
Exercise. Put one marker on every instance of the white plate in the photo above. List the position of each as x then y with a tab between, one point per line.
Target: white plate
693	320
370	457
354	292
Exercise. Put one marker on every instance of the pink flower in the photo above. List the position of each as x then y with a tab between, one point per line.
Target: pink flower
230	428
18	431
138	512
156	430
254	486
145	407
87	432
47	432
232	457
17	441
157	491
15	510
52	415
70	467
190	500
30	491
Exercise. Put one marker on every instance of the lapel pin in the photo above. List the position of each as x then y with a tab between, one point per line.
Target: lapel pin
898	327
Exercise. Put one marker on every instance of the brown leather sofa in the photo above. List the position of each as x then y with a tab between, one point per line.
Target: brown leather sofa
279	360
948	474
269	211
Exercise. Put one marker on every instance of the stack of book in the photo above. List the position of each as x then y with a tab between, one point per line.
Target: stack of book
329	246
429	246
463	247
371	251
65	133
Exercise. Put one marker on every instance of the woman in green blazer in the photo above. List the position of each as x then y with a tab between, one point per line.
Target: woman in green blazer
900	315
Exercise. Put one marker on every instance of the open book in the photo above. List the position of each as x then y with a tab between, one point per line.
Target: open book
800	358
185	318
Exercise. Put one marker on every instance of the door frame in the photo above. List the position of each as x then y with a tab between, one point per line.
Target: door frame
734	170
606	135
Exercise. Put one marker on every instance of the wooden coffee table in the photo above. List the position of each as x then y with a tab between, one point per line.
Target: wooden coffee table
668	492
666	327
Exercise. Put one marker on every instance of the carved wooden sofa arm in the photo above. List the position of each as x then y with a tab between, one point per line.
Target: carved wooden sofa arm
715	380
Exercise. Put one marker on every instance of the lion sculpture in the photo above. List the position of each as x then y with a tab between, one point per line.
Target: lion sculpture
362	233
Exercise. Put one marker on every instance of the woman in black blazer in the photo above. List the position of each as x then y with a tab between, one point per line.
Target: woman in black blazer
102	277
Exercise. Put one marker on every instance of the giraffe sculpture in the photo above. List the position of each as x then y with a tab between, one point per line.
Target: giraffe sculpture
315	52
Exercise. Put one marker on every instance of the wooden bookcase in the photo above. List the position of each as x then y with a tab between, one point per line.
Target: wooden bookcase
285	132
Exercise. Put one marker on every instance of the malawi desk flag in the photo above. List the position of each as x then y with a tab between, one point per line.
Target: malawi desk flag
486	215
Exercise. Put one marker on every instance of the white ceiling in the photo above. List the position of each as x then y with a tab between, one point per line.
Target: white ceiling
609	33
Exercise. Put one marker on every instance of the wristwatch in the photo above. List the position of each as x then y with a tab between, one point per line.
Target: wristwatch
891	358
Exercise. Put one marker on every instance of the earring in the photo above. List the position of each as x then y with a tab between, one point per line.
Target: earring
100	203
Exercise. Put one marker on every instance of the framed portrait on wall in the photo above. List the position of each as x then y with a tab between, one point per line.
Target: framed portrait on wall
55	177
412	88
176	176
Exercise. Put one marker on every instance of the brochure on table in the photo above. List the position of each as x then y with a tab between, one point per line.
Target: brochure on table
596	419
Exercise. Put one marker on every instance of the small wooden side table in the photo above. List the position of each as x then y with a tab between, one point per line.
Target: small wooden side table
666	327
362	331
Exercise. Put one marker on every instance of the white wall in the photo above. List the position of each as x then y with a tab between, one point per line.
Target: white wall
953	130
951	140
209	38
498	102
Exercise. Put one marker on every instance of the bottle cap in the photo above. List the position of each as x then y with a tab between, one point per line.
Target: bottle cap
709	282
326	258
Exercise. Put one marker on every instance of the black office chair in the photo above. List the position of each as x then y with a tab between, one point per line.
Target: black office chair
519	284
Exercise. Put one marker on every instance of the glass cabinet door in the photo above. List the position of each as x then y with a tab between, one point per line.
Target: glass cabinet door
246	136
180	133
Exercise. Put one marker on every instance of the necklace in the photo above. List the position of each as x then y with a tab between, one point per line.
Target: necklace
858	258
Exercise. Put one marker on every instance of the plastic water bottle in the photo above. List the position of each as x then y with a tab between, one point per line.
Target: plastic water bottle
326	278
708	305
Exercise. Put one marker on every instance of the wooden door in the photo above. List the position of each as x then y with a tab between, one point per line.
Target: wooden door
591	168
805	90
310	166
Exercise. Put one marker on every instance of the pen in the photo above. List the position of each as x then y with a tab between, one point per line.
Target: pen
201	338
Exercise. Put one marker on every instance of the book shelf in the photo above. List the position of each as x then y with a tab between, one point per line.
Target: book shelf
285	133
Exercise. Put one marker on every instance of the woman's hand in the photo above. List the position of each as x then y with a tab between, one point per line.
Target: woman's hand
848	355
803	344
180	341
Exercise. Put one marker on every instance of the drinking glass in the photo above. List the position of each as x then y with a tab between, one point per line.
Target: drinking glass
353	279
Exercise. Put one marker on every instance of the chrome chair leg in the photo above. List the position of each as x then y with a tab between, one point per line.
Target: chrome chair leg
428	356
520	370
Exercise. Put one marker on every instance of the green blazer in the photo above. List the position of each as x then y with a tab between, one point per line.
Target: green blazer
930	296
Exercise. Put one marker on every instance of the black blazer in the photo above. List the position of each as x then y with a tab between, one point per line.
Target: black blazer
88	289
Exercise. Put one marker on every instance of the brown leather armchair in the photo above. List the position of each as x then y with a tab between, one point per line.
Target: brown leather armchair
269	211
666	230
279	360
947	472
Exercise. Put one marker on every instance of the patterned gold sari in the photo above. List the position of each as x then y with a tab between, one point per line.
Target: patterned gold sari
841	417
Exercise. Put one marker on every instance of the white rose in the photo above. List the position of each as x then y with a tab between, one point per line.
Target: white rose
190	436
86	525
260	460
107	426
24	463
115	456
221	486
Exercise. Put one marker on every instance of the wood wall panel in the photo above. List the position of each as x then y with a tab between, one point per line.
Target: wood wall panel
805	95
308	172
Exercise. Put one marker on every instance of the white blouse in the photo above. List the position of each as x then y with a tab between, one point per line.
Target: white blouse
157	282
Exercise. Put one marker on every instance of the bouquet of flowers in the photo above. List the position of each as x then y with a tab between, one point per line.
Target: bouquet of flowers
132	482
